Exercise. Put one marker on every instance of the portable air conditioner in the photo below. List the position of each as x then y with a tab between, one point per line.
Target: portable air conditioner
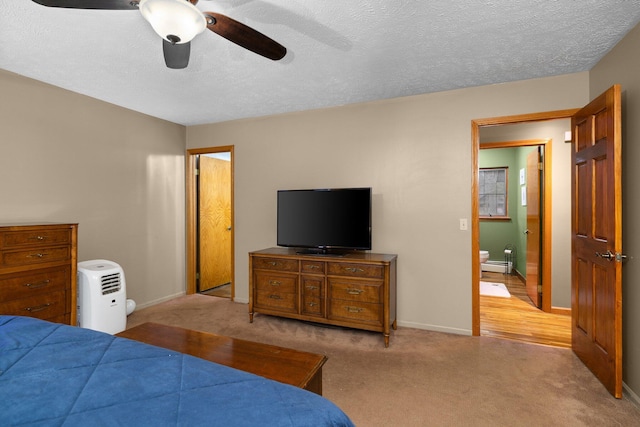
102	296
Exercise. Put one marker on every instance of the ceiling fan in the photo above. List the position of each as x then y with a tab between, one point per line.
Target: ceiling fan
178	22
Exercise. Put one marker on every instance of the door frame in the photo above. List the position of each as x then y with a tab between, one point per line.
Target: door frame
476	124
192	215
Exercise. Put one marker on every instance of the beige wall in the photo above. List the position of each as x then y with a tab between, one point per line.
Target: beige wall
416	154
120	174
622	66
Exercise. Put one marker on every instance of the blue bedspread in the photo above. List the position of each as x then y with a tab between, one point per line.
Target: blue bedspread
55	375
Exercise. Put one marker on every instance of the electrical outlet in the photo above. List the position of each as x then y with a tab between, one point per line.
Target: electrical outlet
463	224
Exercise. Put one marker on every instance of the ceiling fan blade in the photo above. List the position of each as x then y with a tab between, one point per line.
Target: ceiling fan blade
91	4
244	36
176	56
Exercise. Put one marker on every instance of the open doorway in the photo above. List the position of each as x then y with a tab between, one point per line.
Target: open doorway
210	234
515	213
595	227
512	131
515	225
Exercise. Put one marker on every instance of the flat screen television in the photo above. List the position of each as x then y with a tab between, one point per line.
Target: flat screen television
325	220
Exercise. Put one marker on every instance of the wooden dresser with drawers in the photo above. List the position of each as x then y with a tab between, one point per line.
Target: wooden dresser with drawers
356	290
38	264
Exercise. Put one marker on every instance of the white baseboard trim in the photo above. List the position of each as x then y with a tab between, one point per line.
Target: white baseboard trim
241	300
160	300
630	395
435	328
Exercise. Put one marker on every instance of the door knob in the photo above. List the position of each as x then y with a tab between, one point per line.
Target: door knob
527	231
611	256
608	255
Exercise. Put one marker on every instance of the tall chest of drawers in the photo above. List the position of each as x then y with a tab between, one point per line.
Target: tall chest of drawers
38	265
357	290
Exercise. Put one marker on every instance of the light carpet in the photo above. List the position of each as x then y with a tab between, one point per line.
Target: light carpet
494	289
425	378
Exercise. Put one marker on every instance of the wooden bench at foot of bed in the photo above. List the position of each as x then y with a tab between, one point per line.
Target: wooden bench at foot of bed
297	368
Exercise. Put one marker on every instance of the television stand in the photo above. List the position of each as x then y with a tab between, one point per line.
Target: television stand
354	290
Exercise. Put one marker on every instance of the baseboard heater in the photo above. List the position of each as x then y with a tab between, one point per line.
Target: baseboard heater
497	266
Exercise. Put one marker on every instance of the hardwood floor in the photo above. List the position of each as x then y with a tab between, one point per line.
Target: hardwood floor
516	318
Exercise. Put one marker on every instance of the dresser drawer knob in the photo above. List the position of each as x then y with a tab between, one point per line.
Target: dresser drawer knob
354	270
275	282
274	263
38	255
313	304
311	266
37	285
353	291
275	296
311	287
38	308
352	309
37	237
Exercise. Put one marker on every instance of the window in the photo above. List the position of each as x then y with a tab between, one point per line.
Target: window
493	192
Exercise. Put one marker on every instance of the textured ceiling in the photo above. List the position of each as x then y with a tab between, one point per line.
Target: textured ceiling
339	52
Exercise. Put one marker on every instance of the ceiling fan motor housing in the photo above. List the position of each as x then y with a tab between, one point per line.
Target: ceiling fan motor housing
177	21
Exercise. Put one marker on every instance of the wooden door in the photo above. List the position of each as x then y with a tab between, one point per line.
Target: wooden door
596	288
214	210
533	284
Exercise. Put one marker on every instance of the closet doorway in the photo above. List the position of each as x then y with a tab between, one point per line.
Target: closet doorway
210	234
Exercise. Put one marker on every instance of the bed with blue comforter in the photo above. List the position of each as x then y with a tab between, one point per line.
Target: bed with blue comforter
59	375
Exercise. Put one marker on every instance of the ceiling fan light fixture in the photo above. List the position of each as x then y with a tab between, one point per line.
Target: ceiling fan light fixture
177	21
